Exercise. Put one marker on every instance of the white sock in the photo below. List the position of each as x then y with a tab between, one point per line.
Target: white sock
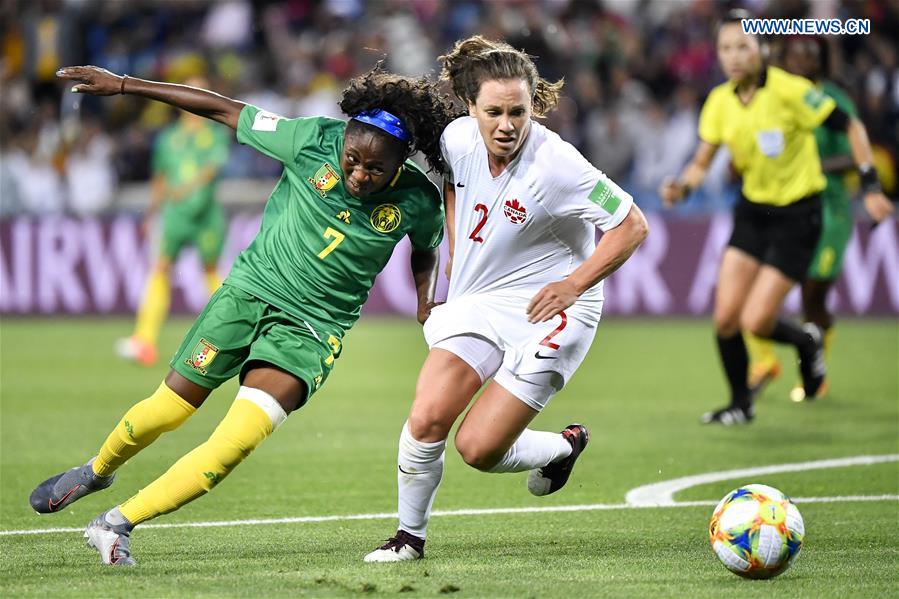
420	469
533	449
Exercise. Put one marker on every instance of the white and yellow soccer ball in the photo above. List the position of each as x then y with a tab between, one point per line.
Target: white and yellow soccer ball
756	531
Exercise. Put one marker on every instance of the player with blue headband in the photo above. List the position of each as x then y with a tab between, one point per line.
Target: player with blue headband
385	121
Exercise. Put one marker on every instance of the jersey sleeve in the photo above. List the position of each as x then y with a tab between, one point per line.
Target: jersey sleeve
427	232
276	136
710	120
842	99
586	192
810	105
456	142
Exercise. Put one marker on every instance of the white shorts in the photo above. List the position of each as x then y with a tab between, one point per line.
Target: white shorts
492	335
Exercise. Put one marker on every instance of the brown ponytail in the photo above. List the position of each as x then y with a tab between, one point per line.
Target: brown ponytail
477	59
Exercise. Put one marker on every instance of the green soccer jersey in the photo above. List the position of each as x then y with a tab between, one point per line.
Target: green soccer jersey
180	155
319	248
834	143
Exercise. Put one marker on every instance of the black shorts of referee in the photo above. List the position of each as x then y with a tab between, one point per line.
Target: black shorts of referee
784	237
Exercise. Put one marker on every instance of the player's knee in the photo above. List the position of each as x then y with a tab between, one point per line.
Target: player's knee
425	425
726	325
758	324
475	453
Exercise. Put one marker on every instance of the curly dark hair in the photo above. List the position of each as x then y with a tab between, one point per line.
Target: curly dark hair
417	102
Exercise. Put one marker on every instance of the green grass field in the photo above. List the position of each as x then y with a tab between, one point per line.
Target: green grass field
641	391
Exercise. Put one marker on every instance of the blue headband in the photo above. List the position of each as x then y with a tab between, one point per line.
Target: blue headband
385	121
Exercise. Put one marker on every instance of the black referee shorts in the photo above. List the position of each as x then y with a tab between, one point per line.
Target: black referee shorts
784	237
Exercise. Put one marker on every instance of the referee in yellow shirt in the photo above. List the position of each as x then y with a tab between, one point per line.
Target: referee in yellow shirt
765	116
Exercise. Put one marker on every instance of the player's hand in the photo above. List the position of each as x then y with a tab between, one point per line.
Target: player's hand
92	80
671	191
551	300
448	269
878	206
424	312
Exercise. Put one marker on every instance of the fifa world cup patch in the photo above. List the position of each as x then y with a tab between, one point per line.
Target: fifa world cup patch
325	179
604	196
266	121
814	97
515	212
202	356
386	218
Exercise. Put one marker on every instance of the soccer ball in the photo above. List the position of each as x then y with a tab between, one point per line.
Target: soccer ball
756	531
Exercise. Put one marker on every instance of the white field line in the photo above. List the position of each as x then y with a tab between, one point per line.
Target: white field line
440	513
661	494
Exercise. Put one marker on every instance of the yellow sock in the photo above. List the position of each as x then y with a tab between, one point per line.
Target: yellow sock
213	281
253	416
761	351
161	412
154	308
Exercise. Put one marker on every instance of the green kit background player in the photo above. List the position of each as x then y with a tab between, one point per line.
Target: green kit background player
347	195
187	158
810	58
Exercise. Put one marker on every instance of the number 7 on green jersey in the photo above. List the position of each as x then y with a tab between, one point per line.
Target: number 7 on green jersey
328	234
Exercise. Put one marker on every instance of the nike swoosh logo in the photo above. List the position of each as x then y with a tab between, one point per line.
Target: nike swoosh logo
410	473
460	184
539	357
56	504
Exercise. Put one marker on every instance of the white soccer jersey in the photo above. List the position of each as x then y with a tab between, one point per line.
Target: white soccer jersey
534	223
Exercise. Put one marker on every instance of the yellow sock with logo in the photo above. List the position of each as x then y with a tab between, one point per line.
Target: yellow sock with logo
253	416
213	281
154	308
161	412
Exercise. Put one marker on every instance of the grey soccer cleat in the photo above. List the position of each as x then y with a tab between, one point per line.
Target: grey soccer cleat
552	477
400	548
112	541
62	490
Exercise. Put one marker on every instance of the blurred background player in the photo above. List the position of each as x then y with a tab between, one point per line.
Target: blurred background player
809	57
346	197
766	116
187	158
526	294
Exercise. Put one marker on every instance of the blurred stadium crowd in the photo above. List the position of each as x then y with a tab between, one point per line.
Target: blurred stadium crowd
636	73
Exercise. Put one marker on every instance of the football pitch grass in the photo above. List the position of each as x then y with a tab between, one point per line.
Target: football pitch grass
641	391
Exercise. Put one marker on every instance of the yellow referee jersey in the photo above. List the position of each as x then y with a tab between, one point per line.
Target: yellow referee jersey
770	138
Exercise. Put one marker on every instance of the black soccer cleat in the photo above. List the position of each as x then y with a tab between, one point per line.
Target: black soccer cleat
401	547
730	416
811	361
552	477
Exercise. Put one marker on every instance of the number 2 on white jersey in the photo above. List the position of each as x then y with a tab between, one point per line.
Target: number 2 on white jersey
547	340
474	234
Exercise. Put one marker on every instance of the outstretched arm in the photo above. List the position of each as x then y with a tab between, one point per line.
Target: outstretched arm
673	191
100	82
613	249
